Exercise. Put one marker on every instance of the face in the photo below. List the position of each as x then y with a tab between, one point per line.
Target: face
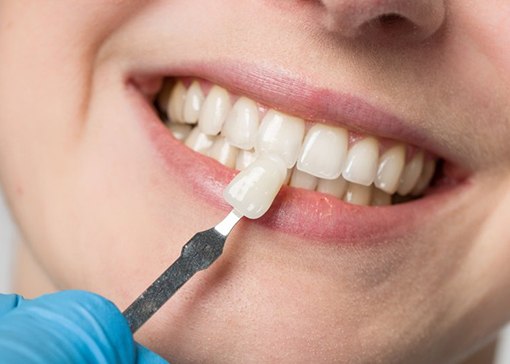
96	95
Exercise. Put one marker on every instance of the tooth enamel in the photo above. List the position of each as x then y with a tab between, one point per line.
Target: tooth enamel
334	187
176	102
280	134
242	124
358	194
380	198
323	151
179	131
303	180
411	173
244	159
193	103
214	111
361	164
429	167
391	165
253	190
223	152
199	141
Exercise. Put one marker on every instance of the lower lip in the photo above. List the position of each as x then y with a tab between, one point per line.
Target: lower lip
310	215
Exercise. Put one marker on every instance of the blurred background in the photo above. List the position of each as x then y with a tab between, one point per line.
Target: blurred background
9	239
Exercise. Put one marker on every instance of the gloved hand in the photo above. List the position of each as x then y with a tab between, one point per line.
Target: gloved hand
67	327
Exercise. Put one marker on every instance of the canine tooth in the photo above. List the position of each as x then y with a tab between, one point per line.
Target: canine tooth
411	173
253	190
358	194
199	141
176	102
242	124
391	165
245	158
380	198
429	167
280	134
193	103
361	164
223	152
334	187
303	180
323	151
164	96
214	111
180	131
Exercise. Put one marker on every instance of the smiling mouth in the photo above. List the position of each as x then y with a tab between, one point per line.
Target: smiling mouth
232	129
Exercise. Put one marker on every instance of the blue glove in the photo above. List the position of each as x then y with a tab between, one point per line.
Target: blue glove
67	327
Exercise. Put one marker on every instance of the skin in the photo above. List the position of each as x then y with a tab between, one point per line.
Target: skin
99	211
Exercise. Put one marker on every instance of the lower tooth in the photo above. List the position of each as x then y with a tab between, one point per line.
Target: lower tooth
303	180
223	152
199	141
358	194
244	159
380	198
334	187
179	131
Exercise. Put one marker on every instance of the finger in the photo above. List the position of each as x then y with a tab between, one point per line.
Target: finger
145	356
8	302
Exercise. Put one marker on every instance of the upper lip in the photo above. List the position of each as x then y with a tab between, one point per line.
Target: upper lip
278	89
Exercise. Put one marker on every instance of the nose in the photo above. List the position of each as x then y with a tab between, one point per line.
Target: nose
411	20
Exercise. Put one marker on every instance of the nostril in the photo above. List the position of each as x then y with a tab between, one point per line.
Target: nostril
392	24
390	20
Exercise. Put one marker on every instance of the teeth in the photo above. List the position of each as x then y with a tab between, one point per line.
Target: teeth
281	134
193	103
361	165
179	131
176	102
253	190
380	198
334	187
214	111
426	175
223	152
303	180
323	161
242	124
199	141
358	194
410	175
244	159
391	165
323	151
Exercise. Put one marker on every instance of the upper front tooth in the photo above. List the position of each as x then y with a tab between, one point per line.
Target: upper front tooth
193	103
214	111
361	164
411	173
323	151
280	134
242	124
391	165
176	102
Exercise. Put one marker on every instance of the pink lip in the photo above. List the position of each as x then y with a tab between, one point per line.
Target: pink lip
307	214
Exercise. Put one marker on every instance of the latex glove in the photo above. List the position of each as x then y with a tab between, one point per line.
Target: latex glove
67	327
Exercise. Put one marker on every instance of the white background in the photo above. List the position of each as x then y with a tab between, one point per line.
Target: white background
7	237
